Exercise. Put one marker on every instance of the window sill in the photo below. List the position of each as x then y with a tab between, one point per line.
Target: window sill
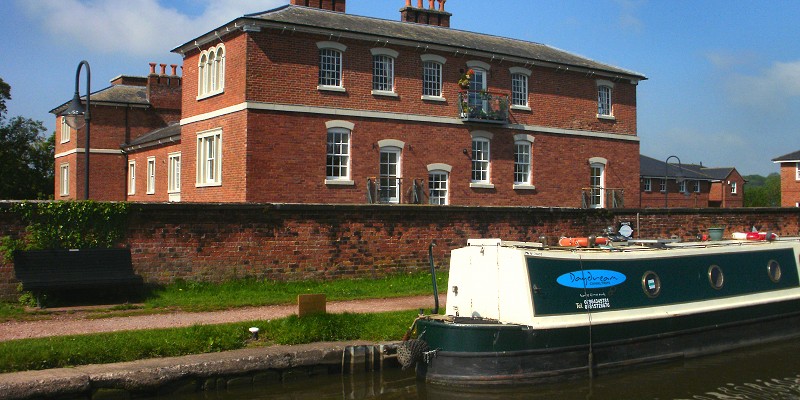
150	193
385	93
210	94
433	98
208	184
480	185
520	108
606	117
524	187
339	182
331	88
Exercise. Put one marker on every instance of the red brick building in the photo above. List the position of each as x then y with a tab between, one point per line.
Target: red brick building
671	185
131	108
790	178
308	104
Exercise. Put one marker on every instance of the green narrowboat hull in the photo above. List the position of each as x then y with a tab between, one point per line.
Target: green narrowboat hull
595	313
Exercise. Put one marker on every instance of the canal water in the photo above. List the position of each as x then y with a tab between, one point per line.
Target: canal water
768	372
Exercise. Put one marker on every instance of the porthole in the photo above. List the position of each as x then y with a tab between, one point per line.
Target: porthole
651	284
774	271
715	277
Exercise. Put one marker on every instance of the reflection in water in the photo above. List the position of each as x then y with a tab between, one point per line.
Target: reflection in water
769	372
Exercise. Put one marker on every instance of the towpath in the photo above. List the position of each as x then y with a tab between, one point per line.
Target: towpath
75	322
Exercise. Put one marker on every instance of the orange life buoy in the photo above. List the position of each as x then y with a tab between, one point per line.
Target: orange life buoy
580	241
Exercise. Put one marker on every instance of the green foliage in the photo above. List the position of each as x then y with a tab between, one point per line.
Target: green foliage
26	155
7	247
65	351
762	191
72	224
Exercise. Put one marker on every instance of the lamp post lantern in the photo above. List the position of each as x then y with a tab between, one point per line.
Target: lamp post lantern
666	173
72	115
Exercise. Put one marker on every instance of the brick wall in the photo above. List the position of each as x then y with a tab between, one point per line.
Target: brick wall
790	186
215	242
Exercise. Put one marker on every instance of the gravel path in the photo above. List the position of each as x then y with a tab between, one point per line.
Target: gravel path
73	323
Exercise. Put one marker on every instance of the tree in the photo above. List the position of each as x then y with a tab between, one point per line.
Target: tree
26	155
763	191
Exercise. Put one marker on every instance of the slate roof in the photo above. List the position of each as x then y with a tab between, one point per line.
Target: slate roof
168	134
115	94
791	157
453	39
652	168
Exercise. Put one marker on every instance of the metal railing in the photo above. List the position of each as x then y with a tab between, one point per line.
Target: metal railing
483	106
613	197
391	192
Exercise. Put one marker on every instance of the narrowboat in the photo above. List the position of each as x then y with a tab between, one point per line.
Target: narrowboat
524	312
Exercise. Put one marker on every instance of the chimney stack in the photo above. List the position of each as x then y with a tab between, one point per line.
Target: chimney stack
330	5
429	16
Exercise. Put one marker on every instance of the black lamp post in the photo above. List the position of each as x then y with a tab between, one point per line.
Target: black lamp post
666	173
73	113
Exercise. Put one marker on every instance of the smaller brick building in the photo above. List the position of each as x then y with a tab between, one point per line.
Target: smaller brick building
689	185
790	178
123	116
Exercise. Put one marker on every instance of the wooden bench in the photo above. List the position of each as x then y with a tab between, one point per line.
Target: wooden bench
41	271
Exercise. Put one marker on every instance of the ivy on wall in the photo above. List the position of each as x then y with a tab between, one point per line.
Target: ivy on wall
69	225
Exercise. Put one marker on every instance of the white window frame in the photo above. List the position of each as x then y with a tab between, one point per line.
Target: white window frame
481	175
211	72
662	185
209	158
605	99
338	155
66	130
331	59
151	175
519	88
439	190
597	164
733	187
697	186
682	186
432	73
648	184
523	161
131	177
383	61
385	174
174	172
797	171
64	179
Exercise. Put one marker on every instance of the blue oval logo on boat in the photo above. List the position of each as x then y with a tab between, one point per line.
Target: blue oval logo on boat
591	279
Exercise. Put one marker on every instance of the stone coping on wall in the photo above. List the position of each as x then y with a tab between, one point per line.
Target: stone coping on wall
170	375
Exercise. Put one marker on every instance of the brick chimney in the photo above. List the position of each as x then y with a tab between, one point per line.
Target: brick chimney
163	89
428	16
331	5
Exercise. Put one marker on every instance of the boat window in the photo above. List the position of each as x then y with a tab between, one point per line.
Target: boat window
715	277
651	284
774	271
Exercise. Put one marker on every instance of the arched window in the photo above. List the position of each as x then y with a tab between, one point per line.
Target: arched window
604	100
211	72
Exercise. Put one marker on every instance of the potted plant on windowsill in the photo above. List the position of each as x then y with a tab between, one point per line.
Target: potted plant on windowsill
715	232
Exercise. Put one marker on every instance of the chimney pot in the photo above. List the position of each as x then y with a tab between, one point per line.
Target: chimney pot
152	68
163	69
174	69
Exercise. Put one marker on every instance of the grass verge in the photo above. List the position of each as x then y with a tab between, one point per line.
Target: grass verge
66	351
203	296
200	296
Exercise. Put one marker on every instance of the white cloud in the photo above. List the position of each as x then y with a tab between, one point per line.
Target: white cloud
769	90
628	18
139	27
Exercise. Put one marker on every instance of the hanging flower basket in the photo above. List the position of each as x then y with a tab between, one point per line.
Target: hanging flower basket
464	81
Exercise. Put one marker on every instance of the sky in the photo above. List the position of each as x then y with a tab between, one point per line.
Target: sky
723	85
